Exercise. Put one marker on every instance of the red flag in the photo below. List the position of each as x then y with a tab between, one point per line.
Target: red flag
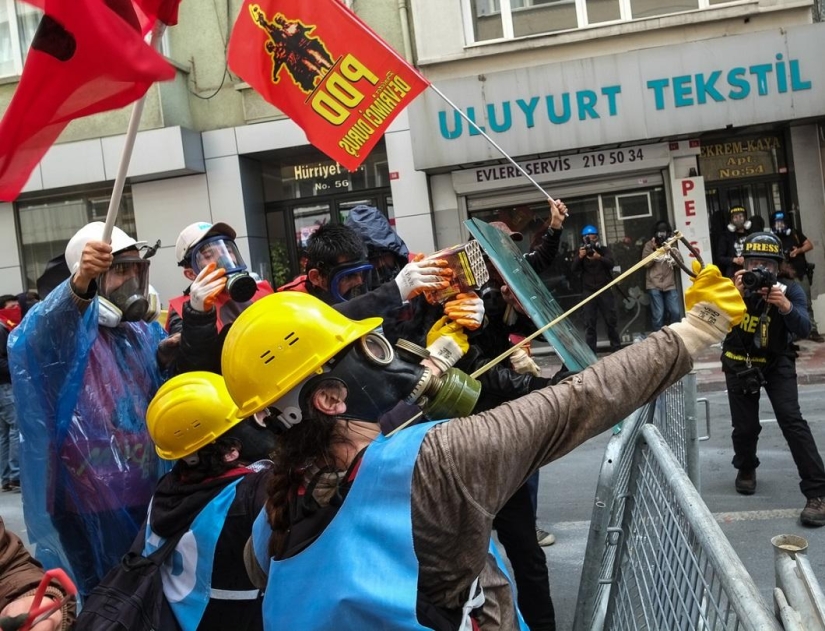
164	10
87	56
325	69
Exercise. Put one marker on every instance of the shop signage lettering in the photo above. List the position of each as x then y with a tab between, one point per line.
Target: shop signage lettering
742	158
324	177
682	91
584	161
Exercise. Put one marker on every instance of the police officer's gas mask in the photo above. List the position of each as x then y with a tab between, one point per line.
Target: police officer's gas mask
376	378
779	227
123	291
222	251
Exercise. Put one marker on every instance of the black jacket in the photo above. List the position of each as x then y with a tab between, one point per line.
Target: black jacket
5	377
741	341
728	247
176	504
596	273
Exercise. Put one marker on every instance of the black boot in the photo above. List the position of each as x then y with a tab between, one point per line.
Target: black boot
746	481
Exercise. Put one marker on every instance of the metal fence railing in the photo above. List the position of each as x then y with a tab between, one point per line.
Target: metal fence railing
656	559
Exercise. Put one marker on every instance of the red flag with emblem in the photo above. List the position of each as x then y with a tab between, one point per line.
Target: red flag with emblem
325	69
87	56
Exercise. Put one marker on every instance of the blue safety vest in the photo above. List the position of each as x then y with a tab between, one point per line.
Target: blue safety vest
187	573
361	572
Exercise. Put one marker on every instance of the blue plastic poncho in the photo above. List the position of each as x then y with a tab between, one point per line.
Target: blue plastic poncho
88	465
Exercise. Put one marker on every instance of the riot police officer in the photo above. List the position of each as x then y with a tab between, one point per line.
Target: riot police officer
757	355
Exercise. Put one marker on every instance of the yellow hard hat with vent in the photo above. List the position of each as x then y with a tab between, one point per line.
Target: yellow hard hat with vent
279	341
188	412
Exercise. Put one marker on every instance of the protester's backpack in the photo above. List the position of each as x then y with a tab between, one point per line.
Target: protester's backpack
130	597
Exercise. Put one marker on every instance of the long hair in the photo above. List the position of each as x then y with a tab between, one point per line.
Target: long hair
311	441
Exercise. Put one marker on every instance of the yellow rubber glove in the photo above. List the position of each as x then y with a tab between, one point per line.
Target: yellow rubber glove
709	286
466	310
714	307
447	328
447	343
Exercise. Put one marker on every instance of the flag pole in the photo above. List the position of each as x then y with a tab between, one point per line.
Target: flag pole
472	123
128	146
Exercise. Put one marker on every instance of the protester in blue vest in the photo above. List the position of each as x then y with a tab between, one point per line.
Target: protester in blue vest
212	496
84	363
373	532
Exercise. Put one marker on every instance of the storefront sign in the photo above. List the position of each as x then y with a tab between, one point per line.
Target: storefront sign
691	215
763	155
646	94
320	178
593	163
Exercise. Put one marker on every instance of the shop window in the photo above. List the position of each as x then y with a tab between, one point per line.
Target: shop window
46	225
509	19
633	206
18	23
625	221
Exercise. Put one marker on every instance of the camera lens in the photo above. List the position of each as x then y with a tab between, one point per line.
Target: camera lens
750	280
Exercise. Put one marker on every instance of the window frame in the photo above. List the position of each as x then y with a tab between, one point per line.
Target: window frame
506	15
14	35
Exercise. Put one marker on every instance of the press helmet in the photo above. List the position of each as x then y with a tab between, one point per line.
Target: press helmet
281	340
589	230
188	412
764	245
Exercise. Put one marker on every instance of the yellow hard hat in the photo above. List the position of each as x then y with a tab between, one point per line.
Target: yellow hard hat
279	341
189	412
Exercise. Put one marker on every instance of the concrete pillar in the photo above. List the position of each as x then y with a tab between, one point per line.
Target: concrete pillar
11	272
809	175
411	202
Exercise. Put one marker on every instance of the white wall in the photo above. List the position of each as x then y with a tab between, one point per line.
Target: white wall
162	209
810	185
11	274
411	203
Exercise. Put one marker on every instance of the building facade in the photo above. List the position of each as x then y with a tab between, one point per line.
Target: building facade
631	111
209	148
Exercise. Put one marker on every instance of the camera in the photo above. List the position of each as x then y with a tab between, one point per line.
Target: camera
758	278
751	380
589	248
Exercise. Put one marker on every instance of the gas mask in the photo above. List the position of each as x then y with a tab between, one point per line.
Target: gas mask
222	251
661	237
377	379
123	291
780	229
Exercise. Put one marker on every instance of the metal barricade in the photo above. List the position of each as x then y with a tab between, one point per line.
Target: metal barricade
656	559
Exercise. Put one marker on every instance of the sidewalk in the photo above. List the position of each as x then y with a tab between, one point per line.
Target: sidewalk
810	367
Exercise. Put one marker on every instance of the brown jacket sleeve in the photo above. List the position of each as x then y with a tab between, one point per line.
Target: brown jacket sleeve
20	574
468	467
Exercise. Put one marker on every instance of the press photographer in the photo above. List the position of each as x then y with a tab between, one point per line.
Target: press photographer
595	265
757	354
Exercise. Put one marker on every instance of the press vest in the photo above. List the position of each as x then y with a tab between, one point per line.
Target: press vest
227	308
740	346
362	571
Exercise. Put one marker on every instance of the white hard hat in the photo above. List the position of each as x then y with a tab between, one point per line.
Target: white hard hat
94	232
197	232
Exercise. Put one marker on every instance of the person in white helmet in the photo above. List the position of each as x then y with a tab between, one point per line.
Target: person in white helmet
85	364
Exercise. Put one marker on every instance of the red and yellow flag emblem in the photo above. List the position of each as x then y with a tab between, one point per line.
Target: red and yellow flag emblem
325	69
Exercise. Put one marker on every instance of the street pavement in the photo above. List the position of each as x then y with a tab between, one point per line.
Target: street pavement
568	486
